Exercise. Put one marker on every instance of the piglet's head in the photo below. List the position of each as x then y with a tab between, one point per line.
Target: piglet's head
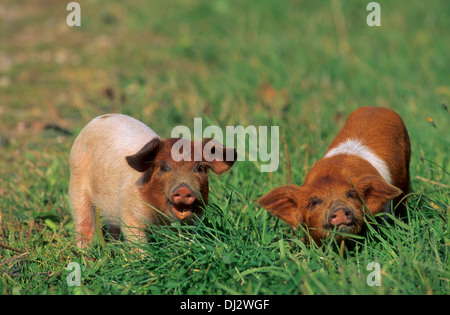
175	175
329	203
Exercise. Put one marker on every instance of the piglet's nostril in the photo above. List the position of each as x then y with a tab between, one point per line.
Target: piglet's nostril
183	195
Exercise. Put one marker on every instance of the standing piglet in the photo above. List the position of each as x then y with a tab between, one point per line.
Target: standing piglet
121	166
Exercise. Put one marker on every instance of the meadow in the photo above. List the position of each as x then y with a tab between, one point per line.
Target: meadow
301	65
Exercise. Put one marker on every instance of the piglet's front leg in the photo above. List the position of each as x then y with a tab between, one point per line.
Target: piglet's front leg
134	230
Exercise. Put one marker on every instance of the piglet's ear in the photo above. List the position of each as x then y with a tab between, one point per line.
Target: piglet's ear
142	160
282	203
219	158
376	192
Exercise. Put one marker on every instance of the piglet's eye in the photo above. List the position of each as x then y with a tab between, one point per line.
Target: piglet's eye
164	168
199	168
313	202
351	194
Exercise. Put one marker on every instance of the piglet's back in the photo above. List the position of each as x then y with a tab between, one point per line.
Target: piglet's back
115	132
97	158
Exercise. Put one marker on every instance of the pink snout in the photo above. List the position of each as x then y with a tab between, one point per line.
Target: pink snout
182	195
341	216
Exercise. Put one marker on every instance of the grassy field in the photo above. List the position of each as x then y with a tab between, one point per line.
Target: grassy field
301	65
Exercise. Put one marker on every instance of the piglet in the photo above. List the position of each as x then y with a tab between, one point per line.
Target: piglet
364	169
135	178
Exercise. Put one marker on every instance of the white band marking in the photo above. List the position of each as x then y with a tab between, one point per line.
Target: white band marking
355	147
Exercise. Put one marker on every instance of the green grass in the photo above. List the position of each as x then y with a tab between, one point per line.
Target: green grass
302	65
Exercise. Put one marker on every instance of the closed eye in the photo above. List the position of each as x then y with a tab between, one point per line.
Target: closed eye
313	202
352	194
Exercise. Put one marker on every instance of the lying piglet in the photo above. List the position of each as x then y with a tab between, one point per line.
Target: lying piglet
121	166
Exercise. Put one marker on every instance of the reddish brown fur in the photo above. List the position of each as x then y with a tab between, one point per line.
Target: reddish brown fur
333	188
157	185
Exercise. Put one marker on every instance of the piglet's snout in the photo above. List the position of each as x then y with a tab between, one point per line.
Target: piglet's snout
341	216
182	195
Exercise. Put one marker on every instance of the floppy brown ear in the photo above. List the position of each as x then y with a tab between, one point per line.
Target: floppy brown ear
219	158
376	192
141	161
282	203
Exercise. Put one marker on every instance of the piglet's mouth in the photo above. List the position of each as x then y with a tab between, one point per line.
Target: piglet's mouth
344	228
182	211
